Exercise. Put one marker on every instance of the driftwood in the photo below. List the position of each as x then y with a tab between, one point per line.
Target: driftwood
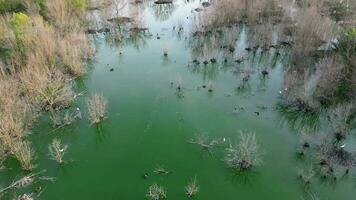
25	181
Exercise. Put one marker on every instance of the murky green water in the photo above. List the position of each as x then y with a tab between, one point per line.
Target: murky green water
149	125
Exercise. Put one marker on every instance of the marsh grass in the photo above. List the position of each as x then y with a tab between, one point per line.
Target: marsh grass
97	107
243	155
57	150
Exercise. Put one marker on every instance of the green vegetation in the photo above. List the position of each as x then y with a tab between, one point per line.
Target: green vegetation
9	6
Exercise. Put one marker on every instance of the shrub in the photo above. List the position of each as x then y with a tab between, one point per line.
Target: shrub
97	108
49	90
243	155
57	150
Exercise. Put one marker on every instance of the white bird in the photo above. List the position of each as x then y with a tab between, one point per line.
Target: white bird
61	150
343	146
224	139
280	92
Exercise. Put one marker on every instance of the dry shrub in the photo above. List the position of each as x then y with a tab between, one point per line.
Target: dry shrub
24	154
35	72
46	88
330	72
64	16
230	12
261	35
312	30
97	106
72	58
10	126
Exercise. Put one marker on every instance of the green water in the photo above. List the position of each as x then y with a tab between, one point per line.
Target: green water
148	125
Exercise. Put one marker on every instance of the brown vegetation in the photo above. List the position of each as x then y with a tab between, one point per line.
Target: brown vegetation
97	108
42	50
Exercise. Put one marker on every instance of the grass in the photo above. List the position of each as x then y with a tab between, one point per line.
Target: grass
57	150
243	155
97	106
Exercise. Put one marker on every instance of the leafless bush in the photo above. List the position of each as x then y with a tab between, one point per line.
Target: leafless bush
97	106
57	150
243	155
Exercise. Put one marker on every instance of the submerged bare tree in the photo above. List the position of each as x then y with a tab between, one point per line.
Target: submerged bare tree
97	106
244	154
156	192
57	150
